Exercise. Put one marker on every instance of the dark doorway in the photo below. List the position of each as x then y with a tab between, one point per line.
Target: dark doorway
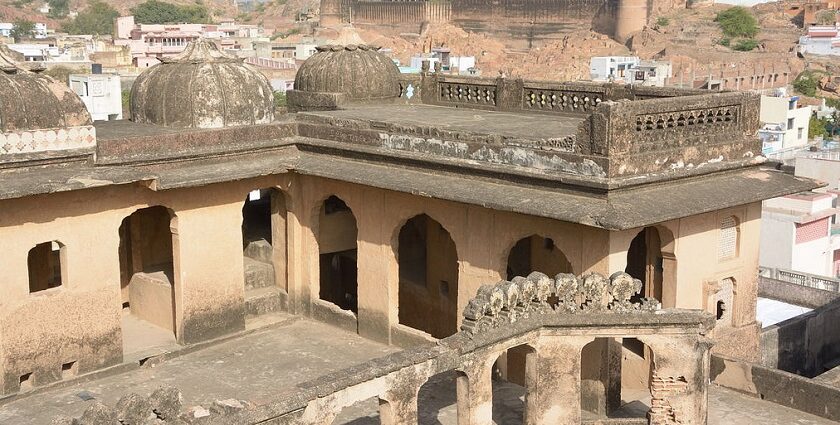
337	234
428	271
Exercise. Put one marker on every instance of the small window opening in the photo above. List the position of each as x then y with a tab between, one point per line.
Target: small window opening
25	382
68	370
44	262
721	309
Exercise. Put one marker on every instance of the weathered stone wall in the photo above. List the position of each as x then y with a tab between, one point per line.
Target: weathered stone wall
806	345
777	386
528	23
502	316
793	293
80	320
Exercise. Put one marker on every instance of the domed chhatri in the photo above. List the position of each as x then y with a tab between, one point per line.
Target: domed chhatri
358	72
31	101
202	87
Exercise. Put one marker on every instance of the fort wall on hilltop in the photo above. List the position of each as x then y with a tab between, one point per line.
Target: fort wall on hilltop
533	21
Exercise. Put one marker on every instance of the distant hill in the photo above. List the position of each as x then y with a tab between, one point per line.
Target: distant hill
270	13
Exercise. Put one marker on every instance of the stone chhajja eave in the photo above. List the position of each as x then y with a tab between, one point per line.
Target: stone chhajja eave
617	210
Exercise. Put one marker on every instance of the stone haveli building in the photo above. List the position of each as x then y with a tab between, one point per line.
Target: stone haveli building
385	204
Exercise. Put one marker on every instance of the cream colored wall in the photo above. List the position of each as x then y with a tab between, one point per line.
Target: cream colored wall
80	321
483	239
698	269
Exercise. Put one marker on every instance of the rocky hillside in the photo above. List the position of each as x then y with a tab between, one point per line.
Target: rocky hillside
271	13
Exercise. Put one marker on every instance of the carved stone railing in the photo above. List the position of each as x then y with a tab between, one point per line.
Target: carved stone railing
803	279
44	141
465	93
554	318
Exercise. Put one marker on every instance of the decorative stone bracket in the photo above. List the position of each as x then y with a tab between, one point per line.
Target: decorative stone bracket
507	302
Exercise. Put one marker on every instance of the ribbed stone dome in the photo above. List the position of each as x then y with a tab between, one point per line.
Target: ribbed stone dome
33	101
202	87
359	72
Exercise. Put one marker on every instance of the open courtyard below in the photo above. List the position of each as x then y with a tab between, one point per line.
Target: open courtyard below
262	365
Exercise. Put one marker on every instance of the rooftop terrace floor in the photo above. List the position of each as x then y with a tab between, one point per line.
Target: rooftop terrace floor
261	364
508	124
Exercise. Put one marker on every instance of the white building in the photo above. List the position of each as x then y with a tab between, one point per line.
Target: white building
611	68
101	94
304	50
784	124
38	31
6	29
821	40
649	73
823	165
796	234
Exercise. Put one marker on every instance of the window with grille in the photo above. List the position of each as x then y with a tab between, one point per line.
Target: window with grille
728	238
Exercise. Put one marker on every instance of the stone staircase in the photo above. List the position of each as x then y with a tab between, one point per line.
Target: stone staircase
262	296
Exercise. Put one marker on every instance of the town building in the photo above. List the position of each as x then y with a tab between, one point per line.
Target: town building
611	68
148	43
581	240
821	40
785	124
798	234
822	165
101	94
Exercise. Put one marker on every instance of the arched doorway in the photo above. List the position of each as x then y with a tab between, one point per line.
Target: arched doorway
536	253
615	379
513	388
645	262
428	273
337	246
264	241
147	279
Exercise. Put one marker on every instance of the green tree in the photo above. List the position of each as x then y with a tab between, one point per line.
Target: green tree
662	21
826	17
737	22
806	83
98	18
745	45
160	12
22	29
816	127
58	8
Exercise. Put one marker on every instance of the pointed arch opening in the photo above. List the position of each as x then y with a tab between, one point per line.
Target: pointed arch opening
338	254
428	277
536	253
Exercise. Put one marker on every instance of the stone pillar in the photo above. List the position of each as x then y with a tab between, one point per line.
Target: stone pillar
556	398
401	411
679	384
377	290
475	394
296	237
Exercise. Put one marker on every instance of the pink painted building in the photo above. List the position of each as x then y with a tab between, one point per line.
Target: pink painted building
148	43
799	233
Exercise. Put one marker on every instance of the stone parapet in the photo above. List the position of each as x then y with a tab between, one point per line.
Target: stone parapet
50	140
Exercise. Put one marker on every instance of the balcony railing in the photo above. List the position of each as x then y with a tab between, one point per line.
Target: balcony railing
799	278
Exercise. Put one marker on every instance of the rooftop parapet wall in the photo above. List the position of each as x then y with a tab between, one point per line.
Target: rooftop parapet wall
641	130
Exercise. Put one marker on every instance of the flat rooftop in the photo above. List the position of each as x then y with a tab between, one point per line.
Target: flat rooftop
506	124
261	366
